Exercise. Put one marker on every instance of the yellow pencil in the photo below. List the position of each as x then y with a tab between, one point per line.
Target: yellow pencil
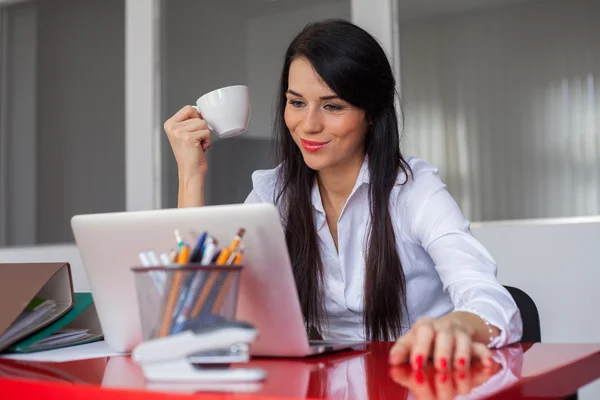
167	320
221	260
184	255
225	288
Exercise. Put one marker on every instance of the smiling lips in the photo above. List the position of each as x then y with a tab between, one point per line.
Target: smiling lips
311	146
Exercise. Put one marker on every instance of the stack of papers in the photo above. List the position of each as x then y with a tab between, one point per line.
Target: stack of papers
37	313
61	338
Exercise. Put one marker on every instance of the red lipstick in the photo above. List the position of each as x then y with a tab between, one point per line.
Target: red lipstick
312	146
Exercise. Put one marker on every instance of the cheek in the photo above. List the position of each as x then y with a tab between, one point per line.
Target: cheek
290	119
351	129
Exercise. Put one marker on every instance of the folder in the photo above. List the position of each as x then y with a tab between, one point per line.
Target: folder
81	321
32	296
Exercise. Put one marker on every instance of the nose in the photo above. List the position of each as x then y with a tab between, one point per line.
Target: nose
313	121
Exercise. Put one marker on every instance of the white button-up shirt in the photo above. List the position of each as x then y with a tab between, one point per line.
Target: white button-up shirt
445	267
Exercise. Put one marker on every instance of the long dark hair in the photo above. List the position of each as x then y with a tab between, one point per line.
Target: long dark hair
355	67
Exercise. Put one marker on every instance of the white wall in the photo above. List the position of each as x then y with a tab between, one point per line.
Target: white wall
504	101
59	253
556	262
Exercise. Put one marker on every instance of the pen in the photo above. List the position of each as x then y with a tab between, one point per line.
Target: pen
223	257
172	256
195	285
164	258
153	259
197	252
178	238
157	278
209	250
144	259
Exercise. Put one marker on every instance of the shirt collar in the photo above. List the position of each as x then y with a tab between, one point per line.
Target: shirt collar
363	177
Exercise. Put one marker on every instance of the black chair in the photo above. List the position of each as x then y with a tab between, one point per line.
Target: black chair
532	332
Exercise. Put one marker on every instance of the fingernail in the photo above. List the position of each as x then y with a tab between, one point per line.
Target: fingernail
461	362
462	375
418	361
443	378
443	363
490	361
419	377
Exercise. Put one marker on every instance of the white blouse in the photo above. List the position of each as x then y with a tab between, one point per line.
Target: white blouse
446	269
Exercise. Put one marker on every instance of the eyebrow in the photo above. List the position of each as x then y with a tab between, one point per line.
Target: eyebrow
335	96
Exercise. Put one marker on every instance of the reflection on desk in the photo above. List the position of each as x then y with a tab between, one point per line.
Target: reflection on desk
521	371
475	383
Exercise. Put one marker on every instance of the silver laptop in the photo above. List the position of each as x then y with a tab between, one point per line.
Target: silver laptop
109	244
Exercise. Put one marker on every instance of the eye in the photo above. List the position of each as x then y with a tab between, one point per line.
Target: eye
296	103
333	107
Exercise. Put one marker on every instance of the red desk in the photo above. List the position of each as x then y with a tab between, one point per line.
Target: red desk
540	371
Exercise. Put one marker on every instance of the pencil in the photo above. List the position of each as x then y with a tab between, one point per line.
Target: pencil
167	321
225	288
210	282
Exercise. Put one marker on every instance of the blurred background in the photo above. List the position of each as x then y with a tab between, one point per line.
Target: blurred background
502	95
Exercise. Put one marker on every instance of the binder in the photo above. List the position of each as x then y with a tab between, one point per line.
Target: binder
25	285
82	316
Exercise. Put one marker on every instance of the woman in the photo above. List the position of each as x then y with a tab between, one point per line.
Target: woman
396	258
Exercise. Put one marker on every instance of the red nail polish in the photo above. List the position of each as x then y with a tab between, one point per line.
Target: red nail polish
443	363
461	362
490	361
443	378
419	377
462	375
419	361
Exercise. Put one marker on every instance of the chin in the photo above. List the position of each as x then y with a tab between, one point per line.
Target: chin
315	162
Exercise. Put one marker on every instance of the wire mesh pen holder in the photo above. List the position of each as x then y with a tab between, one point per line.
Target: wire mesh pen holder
174	299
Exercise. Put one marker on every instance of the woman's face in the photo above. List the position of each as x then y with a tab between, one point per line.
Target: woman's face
329	131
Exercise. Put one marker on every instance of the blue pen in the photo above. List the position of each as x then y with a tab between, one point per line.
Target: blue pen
214	259
196	255
194	288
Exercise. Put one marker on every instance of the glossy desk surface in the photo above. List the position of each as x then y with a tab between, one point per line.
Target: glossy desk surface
541	371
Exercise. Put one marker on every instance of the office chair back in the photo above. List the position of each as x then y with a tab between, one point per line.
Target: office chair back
532	332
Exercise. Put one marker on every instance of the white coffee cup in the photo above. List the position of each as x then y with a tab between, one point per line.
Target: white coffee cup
226	110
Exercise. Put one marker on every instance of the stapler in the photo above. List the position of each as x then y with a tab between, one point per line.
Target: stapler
203	352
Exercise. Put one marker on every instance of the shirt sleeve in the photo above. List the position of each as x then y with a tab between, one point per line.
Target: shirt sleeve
253	197
467	270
